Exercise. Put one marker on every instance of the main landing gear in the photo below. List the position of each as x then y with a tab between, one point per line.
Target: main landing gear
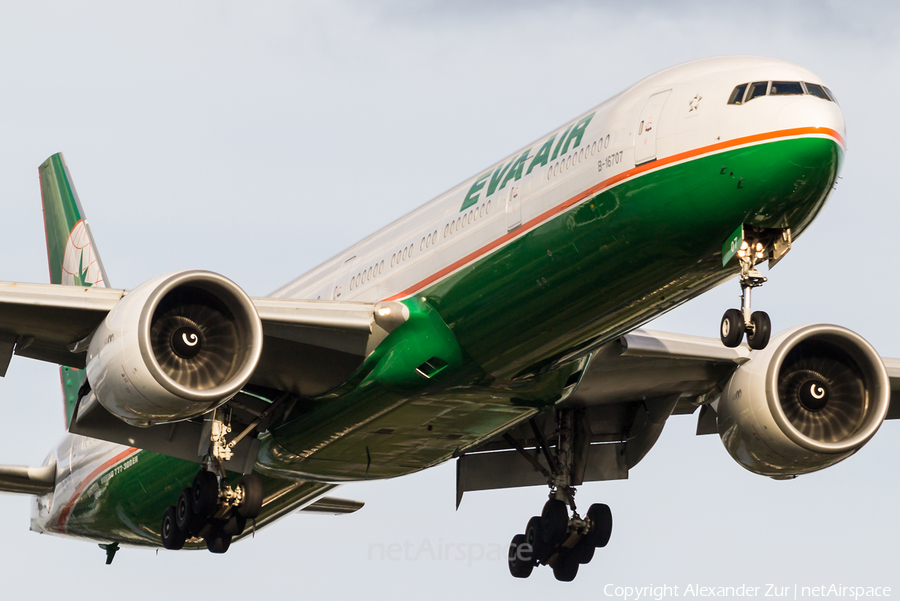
737	322
555	538
211	509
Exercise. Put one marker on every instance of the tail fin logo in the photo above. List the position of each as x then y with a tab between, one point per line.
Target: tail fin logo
80	266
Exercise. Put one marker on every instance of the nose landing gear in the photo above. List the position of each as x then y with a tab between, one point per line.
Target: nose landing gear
737	322
554	538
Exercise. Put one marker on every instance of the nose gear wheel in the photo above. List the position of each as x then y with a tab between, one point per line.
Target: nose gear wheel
755	325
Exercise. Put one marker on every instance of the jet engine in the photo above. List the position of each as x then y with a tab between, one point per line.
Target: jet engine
174	348
813	397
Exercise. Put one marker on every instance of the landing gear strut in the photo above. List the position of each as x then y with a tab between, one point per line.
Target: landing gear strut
211	508
555	538
755	324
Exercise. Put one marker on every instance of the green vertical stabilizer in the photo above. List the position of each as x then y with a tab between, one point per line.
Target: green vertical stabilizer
71	252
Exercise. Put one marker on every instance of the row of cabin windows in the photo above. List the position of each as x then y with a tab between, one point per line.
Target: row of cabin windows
574	159
467	219
401	255
426	241
406	253
364	276
746	92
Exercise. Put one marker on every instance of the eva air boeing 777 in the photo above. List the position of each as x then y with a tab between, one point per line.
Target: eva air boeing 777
496	326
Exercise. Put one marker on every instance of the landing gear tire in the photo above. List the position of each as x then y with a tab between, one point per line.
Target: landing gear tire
760	330
534	536
583	552
205	493
234	526
185	518
173	537
520	565
554	522
253	496
217	541
731	330
566	567
600	516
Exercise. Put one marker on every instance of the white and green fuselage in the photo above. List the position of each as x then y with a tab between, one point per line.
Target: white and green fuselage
511	277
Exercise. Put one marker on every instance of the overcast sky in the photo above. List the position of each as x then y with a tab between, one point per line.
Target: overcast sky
258	142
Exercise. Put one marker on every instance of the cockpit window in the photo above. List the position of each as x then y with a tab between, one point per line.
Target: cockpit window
786	88
830	93
744	93
816	90
737	96
757	89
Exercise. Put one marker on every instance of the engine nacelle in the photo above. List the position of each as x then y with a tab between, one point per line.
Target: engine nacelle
813	397
174	348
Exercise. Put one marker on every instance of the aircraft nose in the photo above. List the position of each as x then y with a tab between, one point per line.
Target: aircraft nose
809	111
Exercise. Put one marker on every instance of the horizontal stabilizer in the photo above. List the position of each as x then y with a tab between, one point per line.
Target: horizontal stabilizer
333	506
27	480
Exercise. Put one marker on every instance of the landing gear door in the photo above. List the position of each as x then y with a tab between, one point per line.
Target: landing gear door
647	126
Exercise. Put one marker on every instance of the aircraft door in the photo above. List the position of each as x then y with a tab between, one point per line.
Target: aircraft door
339	288
513	207
648	124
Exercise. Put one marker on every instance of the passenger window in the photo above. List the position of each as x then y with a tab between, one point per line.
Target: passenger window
786	88
817	91
446	230
369	276
757	89
488	209
381	267
737	95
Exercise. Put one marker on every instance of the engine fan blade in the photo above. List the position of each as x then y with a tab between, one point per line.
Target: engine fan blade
823	397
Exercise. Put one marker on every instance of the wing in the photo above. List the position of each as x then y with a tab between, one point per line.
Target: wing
623	397
309	348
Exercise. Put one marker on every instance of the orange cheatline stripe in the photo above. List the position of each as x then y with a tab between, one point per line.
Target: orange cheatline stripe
657	164
64	514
